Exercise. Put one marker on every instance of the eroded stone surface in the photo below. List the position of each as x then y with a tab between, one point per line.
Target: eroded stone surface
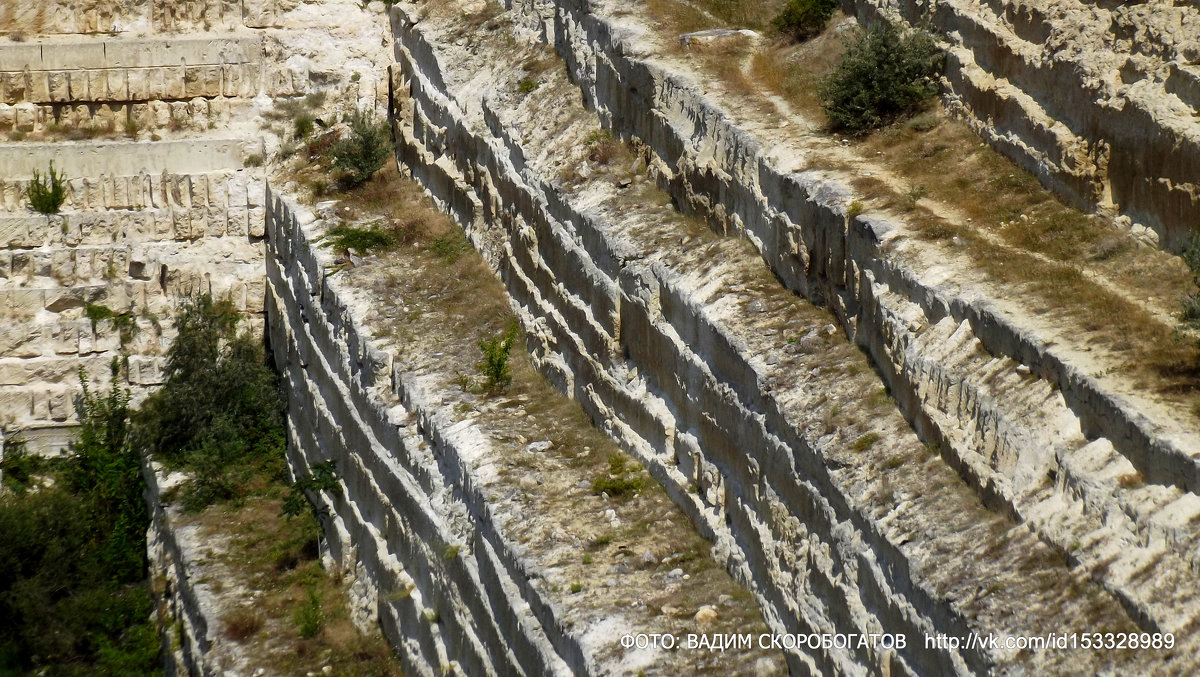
1003	431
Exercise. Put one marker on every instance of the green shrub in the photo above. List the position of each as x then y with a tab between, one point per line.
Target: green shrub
865	442
19	470
361	240
309	617
1191	303
302	126
527	85
220	411
73	597
802	19
358	156
494	365
1190	310
321	477
883	76
47	194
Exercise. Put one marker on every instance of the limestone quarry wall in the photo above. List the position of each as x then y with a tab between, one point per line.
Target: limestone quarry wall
1099	100
143	224
408	490
180	587
119	16
959	370
133	238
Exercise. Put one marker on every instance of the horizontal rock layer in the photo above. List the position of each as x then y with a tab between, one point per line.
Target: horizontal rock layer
118	16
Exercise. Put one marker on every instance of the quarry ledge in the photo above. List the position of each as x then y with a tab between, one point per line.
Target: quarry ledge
429	471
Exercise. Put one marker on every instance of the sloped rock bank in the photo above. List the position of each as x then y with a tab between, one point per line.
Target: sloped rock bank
467	567
678	347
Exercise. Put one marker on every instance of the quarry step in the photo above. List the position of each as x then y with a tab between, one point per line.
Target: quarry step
170	199
93	233
105	17
115	119
146	370
702	338
1080	94
93	52
125	158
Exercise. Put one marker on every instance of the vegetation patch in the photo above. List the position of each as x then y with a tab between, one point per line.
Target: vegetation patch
1191	303
494	366
884	75
802	19
74	598
863	443
47	193
362	152
124	323
323	478
219	415
361	240
624	478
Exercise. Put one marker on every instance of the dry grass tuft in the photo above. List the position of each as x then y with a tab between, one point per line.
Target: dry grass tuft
242	623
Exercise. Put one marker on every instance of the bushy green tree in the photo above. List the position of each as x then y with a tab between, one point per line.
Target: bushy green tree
357	157
221	407
884	75
802	19
73	596
1191	303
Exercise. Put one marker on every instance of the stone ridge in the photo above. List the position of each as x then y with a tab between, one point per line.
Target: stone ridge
430	528
1097	100
700	396
985	416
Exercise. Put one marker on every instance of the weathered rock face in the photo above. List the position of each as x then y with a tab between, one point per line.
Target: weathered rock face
699	395
184	588
1098	99
116	16
133	238
463	571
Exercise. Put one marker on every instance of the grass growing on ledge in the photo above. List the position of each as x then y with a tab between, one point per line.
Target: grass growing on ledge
624	478
866	441
361	240
47	193
124	323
